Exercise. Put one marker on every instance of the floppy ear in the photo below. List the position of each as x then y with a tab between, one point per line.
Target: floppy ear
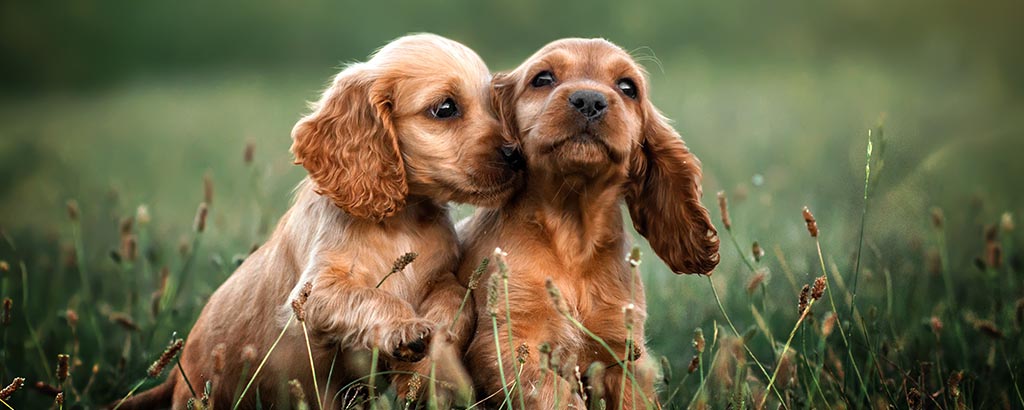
503	90
663	196
348	146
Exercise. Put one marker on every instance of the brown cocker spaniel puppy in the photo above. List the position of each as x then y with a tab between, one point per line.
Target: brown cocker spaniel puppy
591	140
391	141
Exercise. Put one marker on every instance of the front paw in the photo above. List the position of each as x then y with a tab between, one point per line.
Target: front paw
408	341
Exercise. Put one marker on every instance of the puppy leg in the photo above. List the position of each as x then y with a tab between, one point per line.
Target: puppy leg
440	307
366	318
635	389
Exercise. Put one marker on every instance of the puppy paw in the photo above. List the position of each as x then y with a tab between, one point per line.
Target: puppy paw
409	341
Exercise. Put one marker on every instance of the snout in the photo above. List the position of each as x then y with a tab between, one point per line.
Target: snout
592	105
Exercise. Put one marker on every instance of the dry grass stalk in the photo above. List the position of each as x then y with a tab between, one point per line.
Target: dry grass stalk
299	303
11	388
812	224
165	358
723	207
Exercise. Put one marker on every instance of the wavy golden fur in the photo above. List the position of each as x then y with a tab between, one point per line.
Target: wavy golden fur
590	145
382	166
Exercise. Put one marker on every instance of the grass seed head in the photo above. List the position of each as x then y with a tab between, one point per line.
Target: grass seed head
142	215
124	321
698	340
72	207
756	280
11	388
953	384
166	357
474	279
819	288
828	324
200	222
812	224
208	188
522	353
72	318
59	399
129	247
62	367
299	303
805	293
298	395
249	354
492	295
629	315
250	150
556	296
5	267
666	370
634	257
8	308
989	329
757	251
415	384
1006	222
125	226
403	261
993	255
694	364
723	207
937	218
218	358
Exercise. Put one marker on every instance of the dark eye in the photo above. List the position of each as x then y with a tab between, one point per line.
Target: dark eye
446	109
544	78
627	87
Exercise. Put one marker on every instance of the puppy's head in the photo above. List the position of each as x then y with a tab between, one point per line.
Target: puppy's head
413	120
580	108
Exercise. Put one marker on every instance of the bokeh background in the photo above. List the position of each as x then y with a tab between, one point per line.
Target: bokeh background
122	104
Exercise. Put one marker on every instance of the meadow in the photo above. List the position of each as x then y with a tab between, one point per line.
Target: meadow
910	165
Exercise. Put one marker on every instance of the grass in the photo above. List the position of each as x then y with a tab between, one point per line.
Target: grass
914	302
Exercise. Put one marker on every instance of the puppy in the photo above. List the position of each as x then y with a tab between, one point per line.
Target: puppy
388	144
591	140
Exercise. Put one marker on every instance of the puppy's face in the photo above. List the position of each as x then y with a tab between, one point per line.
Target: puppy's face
577	106
580	110
448	134
414	120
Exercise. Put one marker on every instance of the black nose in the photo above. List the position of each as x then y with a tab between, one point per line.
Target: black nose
591	104
513	156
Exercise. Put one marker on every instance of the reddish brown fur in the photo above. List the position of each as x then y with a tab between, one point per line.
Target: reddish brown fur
566	223
381	170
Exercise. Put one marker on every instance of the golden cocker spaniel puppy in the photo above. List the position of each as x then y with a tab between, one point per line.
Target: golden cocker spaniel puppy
390	142
592	141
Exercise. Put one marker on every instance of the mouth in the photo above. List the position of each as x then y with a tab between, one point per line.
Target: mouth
584	143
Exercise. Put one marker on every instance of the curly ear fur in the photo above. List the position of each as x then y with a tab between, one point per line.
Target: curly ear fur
663	196
349	147
503	90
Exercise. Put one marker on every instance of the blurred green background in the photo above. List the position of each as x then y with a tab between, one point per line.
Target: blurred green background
120	104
